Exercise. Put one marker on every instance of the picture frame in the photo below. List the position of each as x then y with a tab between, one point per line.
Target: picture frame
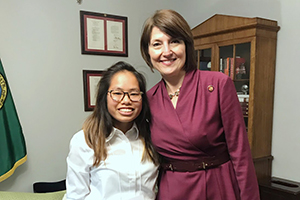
103	34
91	80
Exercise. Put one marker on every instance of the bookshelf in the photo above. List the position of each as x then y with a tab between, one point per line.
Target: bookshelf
245	49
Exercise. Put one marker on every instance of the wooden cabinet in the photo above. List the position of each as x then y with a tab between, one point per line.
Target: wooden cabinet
245	49
279	189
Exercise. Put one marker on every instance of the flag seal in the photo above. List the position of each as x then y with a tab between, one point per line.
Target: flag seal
3	90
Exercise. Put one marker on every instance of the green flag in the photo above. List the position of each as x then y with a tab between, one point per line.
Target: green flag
12	143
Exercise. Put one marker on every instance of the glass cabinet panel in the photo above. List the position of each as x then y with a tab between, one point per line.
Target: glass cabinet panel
235	62
242	75
204	59
242	68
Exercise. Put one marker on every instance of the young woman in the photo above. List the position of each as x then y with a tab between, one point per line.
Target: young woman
112	157
197	123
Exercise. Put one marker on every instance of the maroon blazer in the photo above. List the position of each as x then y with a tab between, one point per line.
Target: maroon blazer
205	123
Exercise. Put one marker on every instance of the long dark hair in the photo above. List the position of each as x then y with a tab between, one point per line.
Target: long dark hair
174	25
99	124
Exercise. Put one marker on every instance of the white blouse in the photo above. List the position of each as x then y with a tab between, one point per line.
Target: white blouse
121	176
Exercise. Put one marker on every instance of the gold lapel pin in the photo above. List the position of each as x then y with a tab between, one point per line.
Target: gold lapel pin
210	88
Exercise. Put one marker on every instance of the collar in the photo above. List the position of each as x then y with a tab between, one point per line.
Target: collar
132	133
162	86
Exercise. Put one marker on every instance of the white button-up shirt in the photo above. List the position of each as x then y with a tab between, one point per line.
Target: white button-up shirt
121	176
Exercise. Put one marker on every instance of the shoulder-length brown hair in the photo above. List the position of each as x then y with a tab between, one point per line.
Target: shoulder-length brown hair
174	25
99	124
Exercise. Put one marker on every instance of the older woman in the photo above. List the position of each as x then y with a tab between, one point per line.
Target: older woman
197	125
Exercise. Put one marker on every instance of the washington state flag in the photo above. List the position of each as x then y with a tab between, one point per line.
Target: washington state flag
12	143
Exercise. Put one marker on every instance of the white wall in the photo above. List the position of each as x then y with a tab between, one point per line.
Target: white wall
40	52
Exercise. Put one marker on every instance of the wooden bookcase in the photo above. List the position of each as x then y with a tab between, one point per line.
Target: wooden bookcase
251	41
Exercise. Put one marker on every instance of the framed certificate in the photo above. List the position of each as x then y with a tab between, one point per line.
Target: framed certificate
103	34
91	80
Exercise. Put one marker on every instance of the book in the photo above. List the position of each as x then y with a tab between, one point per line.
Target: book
221	65
227	66
244	102
233	67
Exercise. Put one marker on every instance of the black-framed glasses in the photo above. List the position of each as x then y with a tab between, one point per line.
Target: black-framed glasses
118	95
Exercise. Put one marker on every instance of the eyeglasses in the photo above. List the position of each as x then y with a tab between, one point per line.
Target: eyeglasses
118	95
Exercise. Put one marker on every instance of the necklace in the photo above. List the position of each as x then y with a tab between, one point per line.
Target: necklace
175	94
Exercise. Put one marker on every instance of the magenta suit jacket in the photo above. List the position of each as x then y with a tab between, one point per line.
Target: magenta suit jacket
205	122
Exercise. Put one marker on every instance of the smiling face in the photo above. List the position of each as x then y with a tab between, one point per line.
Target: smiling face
125	111
167	54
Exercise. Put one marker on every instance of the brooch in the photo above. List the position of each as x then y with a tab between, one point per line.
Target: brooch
210	88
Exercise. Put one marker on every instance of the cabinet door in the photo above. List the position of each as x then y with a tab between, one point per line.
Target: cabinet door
235	62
